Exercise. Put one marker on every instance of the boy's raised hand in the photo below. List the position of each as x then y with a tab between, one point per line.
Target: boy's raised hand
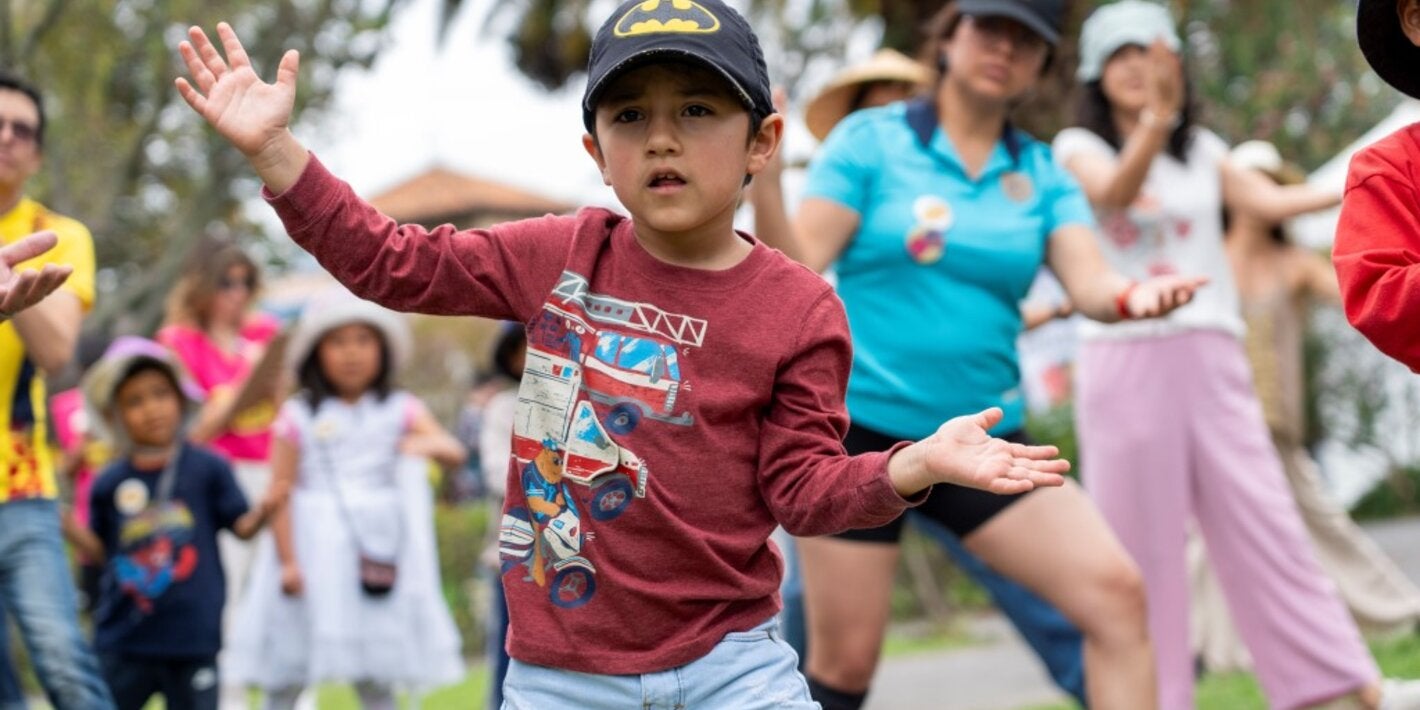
247	111
962	452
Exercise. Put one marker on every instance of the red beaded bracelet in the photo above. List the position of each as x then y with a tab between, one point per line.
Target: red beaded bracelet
1121	302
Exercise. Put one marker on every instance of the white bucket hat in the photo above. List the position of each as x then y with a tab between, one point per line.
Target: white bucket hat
1118	25
336	307
100	385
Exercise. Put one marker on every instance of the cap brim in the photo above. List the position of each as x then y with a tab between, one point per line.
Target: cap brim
647	56
986	8
1386	47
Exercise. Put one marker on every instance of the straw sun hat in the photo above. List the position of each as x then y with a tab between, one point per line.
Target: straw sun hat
835	101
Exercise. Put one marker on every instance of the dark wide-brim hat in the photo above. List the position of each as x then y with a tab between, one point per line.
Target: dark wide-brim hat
1390	53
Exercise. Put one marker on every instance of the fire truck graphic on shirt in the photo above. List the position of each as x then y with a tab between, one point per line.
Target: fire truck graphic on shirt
597	367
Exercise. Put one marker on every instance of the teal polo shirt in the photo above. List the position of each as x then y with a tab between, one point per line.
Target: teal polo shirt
933	279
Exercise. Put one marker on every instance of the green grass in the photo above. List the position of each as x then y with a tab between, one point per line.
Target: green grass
468	695
1398	658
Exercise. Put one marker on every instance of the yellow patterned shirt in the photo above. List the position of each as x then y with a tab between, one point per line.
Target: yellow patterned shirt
28	466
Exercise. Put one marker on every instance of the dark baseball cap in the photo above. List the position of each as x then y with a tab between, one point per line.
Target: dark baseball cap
1044	17
1386	47
705	32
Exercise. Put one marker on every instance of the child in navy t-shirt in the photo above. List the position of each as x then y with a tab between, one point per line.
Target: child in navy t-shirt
155	514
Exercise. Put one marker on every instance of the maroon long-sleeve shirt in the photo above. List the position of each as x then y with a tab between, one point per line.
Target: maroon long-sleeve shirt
668	418
1377	250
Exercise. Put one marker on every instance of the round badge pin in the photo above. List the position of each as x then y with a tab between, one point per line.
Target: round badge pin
933	212
131	497
1017	186
926	245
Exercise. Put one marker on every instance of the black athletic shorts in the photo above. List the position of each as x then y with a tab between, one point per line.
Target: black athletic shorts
960	509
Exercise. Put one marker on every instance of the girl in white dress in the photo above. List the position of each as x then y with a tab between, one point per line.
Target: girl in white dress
348	588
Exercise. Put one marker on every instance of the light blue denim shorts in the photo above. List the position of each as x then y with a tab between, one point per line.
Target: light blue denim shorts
747	670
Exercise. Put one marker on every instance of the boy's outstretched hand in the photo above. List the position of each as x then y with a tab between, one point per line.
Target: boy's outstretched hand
962	452
252	114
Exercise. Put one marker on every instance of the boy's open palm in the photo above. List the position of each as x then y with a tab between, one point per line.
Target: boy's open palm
962	452
247	111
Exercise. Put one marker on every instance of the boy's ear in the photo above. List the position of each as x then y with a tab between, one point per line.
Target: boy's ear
1409	13
764	143
590	145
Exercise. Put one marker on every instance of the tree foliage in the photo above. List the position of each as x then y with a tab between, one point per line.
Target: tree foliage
1285	70
124	155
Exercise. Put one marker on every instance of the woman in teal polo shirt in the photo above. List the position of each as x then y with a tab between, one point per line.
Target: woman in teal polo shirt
936	215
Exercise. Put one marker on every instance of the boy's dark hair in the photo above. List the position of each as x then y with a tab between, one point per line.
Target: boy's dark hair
14	83
756	122
1093	113
140	366
315	388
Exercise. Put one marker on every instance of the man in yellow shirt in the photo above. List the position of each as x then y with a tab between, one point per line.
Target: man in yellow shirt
35	582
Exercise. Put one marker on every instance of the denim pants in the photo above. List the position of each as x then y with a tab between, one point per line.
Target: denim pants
12	696
748	670
36	588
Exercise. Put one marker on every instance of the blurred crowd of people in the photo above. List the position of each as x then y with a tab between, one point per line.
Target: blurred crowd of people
251	500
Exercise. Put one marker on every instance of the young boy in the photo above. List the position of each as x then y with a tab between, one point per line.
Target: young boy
1377	250
683	384
154	517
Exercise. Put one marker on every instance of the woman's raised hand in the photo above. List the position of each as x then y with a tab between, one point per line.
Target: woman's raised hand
247	111
1166	93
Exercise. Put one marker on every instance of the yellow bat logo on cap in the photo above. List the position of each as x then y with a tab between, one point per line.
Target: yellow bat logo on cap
666	16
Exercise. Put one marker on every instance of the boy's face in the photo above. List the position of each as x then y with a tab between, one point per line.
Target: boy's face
149	408
674	143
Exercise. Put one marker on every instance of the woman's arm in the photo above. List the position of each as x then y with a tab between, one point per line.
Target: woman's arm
1318	277
213	416
822	229
1256	194
1034	315
1103	294
1114	183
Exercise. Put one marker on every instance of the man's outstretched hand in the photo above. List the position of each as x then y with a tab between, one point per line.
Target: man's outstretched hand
21	289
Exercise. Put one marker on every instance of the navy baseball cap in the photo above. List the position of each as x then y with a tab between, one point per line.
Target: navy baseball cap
705	32
1044	17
